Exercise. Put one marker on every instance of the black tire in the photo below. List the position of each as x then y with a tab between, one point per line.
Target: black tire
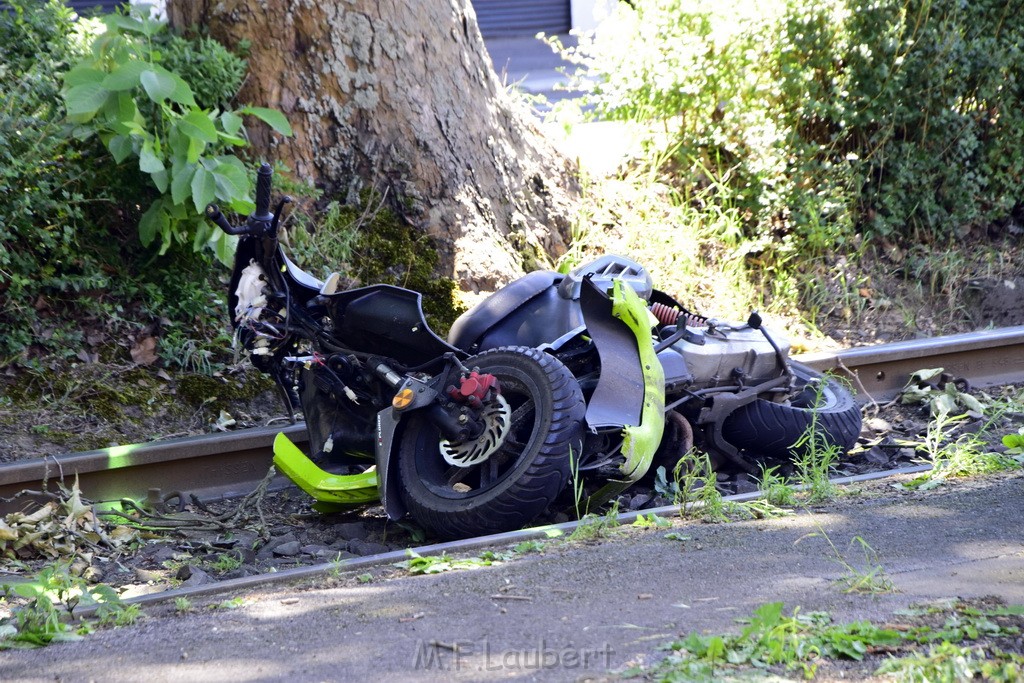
518	481
764	428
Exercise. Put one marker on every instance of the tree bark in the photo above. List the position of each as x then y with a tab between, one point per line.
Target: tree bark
401	96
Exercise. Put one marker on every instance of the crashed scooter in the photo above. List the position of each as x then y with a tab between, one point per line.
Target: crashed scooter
592	373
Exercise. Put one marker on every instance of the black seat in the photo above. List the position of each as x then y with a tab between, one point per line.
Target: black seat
469	329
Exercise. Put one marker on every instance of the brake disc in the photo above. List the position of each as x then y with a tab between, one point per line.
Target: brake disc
497	418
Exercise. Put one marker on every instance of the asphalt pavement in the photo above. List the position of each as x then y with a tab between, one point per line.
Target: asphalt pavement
574	611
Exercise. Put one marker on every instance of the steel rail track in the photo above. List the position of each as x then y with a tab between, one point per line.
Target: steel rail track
223	465
212	466
986	358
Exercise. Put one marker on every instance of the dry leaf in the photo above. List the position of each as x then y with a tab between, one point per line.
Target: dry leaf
144	351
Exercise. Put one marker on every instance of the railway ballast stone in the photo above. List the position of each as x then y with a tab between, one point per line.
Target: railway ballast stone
267	551
367	548
289	549
353	531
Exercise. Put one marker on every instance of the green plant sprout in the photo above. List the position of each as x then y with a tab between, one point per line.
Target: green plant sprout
774	488
769	639
418	564
529	547
771	642
814	458
652	521
871	579
593	526
578	489
226	562
45	606
1014	443
965	456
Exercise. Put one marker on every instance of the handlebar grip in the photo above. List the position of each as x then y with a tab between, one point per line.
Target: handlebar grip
263	182
213	213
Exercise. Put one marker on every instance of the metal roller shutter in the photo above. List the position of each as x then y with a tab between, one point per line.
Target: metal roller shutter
83	7
522	17
91	7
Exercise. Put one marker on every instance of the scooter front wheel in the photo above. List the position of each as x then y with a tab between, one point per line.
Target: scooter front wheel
518	479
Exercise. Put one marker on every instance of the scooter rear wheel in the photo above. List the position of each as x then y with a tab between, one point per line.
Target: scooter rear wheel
765	428
522	477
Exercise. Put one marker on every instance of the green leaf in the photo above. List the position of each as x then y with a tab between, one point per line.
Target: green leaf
210	163
243	206
204	188
181	182
182	93
915	394
28	590
154	222
127	111
972	403
83	75
120	147
125	76
232	160
202	233
233	140
231	122
179	212
943	405
224	246
83	101
127	23
716	648
158	83
1009	610
271	117
196	124
160	180
149	162
1013	440
925	375
196	147
179	146
231	183
151	27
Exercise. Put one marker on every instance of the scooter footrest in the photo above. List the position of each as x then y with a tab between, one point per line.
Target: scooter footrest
344	489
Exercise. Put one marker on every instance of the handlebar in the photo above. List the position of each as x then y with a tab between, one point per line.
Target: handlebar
263	181
261	221
213	213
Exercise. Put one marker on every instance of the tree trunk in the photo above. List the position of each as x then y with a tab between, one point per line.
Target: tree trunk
401	96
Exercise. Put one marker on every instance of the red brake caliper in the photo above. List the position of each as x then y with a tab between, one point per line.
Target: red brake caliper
474	388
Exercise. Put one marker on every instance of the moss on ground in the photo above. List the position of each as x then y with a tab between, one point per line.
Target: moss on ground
75	407
218	393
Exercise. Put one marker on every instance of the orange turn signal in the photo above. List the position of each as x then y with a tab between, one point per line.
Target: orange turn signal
402	399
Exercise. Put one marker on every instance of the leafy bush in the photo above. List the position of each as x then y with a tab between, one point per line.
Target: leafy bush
72	267
937	116
139	109
898	118
214	73
41	171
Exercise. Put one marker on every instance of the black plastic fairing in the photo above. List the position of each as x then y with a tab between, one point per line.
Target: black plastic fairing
525	312
387	321
618	398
